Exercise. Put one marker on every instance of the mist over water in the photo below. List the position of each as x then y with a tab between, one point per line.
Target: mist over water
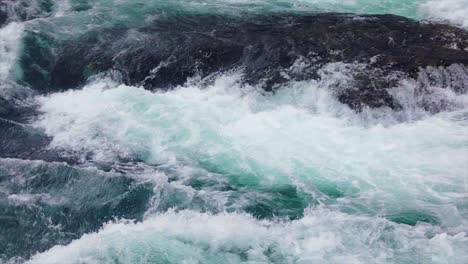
98	167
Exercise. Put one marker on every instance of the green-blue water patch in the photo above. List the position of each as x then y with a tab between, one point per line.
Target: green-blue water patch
413	217
44	204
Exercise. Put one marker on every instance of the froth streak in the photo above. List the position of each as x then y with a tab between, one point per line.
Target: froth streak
321	236
10	37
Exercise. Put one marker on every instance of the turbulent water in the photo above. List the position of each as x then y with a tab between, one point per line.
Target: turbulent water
236	131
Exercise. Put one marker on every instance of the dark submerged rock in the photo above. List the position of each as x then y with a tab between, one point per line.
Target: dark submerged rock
169	50
22	141
3	17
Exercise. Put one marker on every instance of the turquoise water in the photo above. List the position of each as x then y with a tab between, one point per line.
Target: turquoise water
321	236
411	8
222	171
139	11
362	187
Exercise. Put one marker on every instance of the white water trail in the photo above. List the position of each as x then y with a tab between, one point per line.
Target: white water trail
10	46
61	7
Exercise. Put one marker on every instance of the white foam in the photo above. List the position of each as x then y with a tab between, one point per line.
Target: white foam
301	136
322	236
453	11
10	45
61	7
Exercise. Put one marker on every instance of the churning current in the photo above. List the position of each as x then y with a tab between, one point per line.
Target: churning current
246	131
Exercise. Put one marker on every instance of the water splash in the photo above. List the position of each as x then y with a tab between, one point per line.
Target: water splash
300	136
321	236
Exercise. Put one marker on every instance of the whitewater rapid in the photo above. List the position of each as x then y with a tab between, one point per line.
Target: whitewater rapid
321	236
218	169
363	169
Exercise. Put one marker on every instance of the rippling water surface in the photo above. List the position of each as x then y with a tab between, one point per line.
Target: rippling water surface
103	161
